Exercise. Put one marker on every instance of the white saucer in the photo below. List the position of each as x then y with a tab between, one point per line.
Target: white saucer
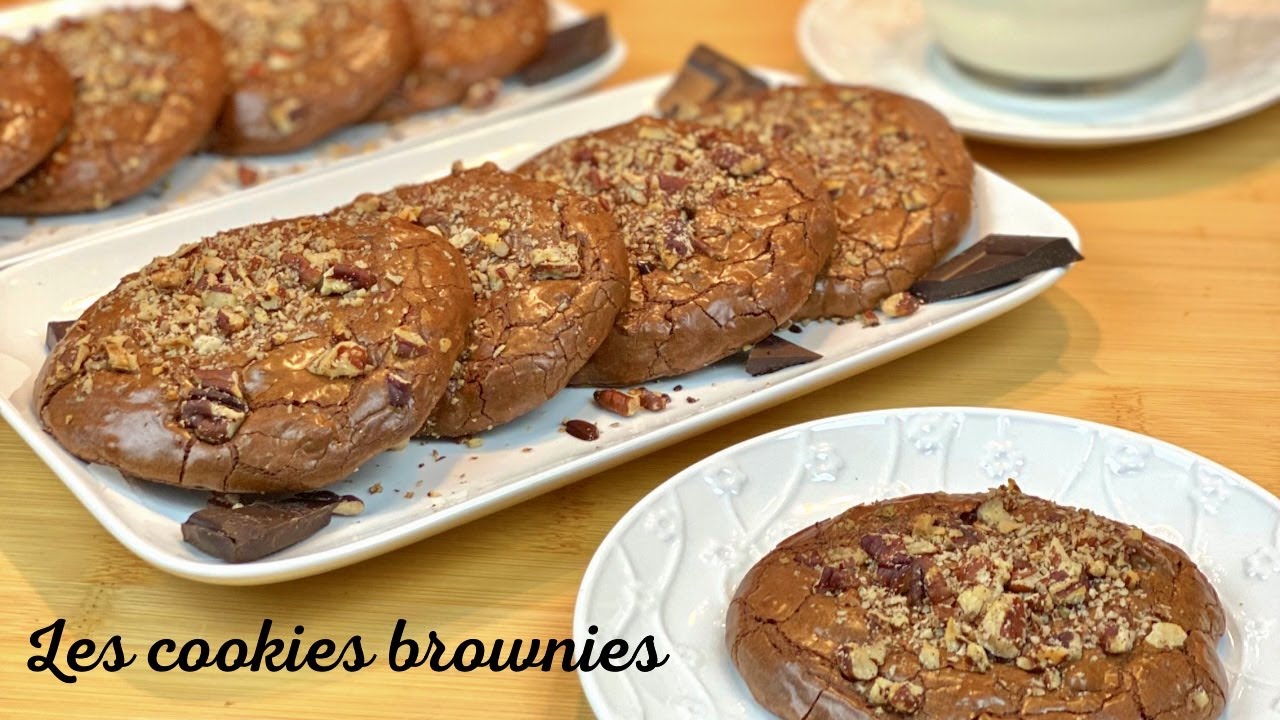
1231	70
670	566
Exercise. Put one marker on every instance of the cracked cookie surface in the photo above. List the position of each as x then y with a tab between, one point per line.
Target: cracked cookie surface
899	176
465	48
35	107
724	235
276	357
149	83
550	274
994	605
302	69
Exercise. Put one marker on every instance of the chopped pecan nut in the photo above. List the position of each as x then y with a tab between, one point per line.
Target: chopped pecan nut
1166	635
1004	628
900	305
555	263
860	662
973	600
903	697
231	322
652	401
308	274
343	278
617	402
406	344
119	357
399	391
168	278
345	360
1117	639
214	408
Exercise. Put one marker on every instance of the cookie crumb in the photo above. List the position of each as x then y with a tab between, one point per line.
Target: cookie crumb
375	488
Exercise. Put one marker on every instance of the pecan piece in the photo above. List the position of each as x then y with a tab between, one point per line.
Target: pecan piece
860	662
407	344
652	401
399	390
347	359
231	322
903	697
342	278
617	402
1166	635
1004	628
672	183
119	357
900	305
308	274
556	262
885	549
215	408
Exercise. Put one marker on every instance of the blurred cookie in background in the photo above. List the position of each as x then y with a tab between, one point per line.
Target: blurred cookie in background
36	95
302	69
149	83
464	50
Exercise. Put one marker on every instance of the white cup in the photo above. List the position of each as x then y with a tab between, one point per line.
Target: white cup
1064	41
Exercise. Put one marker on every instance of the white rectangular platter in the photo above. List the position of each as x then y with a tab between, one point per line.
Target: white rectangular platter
420	495
206	176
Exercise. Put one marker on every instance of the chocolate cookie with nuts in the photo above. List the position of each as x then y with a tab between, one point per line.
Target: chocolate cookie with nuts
549	271
994	605
149	83
302	69
271	358
36	94
725	237
898	174
464	49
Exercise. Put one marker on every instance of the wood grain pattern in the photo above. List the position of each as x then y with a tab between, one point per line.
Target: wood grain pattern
1171	328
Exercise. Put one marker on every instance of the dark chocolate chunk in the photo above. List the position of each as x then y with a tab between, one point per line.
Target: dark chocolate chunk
707	75
582	430
57	330
255	530
569	49
993	262
773	354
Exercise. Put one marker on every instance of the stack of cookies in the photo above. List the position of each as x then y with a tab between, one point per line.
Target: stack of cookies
99	108
280	357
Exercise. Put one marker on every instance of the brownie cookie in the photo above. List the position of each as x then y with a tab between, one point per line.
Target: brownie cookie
725	236
148	86
35	106
464	49
271	358
549	271
995	605
898	174
301	69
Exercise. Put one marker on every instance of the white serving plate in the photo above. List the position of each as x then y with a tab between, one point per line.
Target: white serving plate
468	483
670	566
205	176
1231	70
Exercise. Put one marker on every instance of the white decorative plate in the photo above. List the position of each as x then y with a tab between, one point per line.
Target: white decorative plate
205	176
1231	70
420	495
671	564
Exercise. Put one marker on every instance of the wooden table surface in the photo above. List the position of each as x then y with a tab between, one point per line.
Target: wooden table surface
1171	328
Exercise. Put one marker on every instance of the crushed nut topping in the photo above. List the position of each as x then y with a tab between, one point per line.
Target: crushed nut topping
991	585
664	186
